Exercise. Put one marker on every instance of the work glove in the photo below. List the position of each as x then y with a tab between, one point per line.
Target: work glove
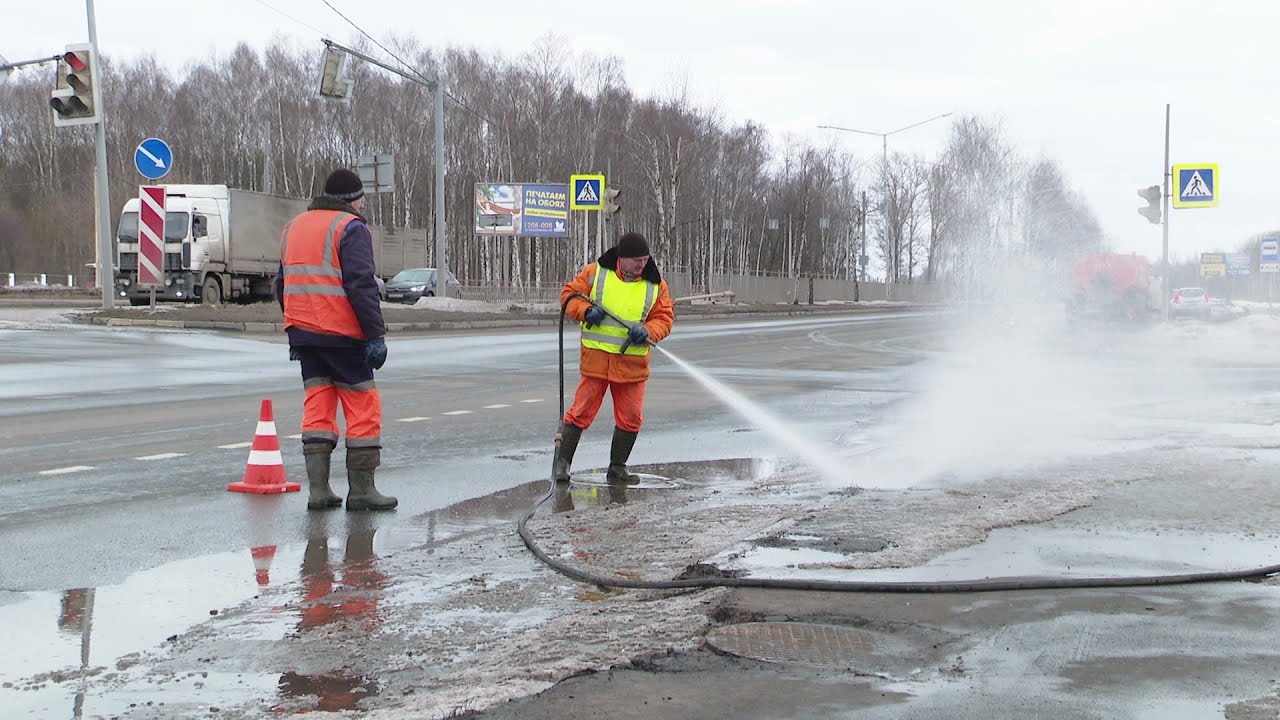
638	334
376	351
293	354
594	316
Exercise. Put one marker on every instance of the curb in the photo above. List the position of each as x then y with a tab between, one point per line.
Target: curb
442	325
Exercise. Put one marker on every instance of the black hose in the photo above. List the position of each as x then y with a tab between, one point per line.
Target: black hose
940	586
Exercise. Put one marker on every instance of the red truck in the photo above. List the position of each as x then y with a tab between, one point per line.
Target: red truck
1111	287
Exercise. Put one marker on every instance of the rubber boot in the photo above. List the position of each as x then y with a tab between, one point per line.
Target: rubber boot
320	495
362	495
623	441
570	434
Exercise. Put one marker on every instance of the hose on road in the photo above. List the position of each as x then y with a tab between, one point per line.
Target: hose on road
1003	584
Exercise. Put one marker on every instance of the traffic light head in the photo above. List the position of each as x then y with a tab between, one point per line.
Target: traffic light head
335	75
75	100
1152	212
611	202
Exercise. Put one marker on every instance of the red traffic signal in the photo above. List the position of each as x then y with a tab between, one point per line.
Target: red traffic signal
75	99
75	61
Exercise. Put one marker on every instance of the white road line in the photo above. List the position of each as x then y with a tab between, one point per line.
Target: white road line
294	437
532	400
50	397
235	446
495	407
457	412
161	456
413	419
65	470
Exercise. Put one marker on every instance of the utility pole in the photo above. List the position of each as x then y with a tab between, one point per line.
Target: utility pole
436	88
103	263
1168	178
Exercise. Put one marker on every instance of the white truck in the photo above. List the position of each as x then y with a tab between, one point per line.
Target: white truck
222	244
219	244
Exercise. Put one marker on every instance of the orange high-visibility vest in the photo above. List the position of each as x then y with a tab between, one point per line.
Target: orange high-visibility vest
314	298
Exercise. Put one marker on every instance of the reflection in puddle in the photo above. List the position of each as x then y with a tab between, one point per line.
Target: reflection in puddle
347	591
333	692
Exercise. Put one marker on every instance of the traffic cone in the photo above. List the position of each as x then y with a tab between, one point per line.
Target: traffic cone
265	472
262	557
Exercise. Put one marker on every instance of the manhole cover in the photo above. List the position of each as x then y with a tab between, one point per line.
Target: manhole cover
804	643
647	481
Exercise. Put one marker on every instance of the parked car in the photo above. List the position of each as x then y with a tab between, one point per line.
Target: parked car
408	286
1190	302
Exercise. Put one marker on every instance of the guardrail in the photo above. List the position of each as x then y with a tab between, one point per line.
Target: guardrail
15	279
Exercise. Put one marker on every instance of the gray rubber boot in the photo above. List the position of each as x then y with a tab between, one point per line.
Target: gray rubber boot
362	495
619	452
320	495
570	434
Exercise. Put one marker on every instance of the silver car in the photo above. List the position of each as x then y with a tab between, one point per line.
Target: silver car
1190	302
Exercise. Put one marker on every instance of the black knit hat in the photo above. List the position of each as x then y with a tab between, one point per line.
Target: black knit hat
344	185
633	245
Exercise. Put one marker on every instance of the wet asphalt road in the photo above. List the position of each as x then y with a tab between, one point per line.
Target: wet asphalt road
116	446
1187	479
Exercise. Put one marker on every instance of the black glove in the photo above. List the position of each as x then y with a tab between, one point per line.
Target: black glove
376	351
594	316
638	334
293	354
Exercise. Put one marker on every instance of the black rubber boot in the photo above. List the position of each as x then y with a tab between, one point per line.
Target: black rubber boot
570	434
320	495
619	452
362	495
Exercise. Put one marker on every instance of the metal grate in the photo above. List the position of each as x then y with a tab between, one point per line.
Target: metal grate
786	642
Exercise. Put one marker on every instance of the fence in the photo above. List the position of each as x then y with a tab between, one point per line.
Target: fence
15	279
753	289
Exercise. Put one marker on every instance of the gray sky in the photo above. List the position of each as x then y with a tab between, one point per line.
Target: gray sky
1083	82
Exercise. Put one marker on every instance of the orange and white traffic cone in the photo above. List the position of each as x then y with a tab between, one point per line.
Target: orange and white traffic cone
264	474
262	557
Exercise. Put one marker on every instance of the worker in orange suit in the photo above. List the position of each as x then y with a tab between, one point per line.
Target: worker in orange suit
615	347
327	288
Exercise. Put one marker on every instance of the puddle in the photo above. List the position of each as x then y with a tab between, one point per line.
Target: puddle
330	692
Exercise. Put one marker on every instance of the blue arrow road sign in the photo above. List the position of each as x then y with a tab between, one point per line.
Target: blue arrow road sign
153	158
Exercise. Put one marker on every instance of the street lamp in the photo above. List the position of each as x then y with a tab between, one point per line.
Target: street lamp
884	136
884	150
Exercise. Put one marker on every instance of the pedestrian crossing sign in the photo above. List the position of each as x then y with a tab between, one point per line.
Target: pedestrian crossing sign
1195	185
586	192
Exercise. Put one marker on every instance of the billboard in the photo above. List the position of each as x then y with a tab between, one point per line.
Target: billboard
522	209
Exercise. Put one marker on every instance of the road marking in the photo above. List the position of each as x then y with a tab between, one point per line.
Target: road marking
495	407
115	392
161	456
532	400
51	397
294	437
235	446
415	418
457	412
65	470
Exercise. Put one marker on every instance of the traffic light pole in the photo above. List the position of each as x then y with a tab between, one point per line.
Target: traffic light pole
436	88
104	264
1164	226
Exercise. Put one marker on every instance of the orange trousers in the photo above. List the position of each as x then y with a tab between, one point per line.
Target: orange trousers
628	403
333	376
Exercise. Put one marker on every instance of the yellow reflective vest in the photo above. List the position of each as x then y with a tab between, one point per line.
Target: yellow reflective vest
630	301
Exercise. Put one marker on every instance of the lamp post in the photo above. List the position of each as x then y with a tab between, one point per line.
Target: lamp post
884	156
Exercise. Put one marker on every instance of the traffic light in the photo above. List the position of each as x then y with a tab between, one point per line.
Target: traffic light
336	82
611	203
75	99
1152	211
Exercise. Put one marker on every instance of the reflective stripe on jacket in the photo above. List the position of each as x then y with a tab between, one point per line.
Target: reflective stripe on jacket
630	301
613	366
314	298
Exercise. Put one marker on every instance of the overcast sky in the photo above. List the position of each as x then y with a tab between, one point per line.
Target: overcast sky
1084	82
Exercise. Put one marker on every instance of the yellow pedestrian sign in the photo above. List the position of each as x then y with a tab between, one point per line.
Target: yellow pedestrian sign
586	192
1195	186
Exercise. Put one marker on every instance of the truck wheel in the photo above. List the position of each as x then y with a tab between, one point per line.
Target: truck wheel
210	292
